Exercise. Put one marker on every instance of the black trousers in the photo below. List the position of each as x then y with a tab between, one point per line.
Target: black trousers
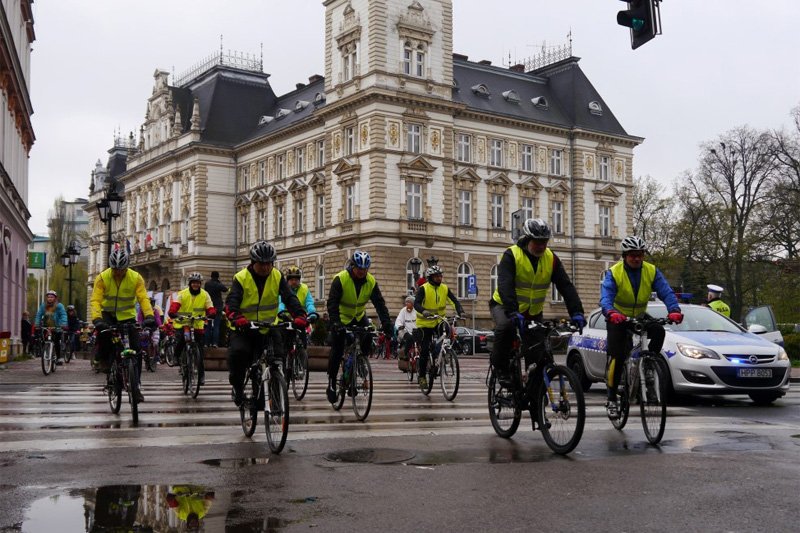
180	344
618	347
504	335
104	347
425	338
244	348
337	346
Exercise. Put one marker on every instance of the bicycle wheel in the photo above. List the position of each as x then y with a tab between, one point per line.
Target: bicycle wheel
449	375
299	373
623	401
276	412
194	383
68	349
341	387
411	369
114	388
47	358
504	413
561	410
169	354
133	386
362	388
248	410
652	399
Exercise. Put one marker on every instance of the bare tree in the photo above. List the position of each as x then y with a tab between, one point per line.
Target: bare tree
724	200
652	213
782	218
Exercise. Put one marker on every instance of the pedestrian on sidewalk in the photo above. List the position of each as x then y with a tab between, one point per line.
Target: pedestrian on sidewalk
214	287
25	329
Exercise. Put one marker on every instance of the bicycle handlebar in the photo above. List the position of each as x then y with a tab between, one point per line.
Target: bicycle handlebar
640	324
261	324
191	318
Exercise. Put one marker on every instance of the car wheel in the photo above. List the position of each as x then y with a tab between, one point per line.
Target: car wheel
466	347
763	397
575	363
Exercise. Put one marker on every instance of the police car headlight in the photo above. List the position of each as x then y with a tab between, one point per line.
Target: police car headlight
696	352
782	355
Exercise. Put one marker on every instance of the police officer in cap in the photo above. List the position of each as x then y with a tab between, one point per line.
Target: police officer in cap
713	300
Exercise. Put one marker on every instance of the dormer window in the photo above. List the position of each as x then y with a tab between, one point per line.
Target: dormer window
281	113
300	105
511	97
595	108
481	90
319	99
265	120
540	102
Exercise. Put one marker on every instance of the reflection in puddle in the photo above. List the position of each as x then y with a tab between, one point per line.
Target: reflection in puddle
236	463
146	508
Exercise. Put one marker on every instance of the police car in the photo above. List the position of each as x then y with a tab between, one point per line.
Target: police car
707	354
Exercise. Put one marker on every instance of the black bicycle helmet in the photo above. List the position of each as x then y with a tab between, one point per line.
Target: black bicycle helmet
292	271
262	252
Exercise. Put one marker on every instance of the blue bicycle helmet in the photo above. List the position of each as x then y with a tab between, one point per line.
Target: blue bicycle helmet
361	259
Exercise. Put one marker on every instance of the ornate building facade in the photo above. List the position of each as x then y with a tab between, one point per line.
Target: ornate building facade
403	149
16	140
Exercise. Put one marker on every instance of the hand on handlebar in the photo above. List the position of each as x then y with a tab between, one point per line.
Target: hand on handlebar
615	317
676	317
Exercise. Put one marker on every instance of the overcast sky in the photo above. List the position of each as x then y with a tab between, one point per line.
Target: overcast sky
718	64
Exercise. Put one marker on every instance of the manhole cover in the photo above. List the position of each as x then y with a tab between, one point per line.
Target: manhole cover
368	455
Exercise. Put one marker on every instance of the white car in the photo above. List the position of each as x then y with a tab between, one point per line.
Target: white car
706	354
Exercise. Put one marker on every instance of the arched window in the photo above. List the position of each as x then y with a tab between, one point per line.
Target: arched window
320	278
464	272
492	280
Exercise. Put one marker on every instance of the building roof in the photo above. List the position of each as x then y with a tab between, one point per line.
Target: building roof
559	95
289	109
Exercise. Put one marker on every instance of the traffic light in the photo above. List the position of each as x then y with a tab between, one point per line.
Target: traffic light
643	17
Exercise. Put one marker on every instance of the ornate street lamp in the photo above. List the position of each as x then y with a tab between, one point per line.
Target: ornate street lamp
68	258
109	208
415	265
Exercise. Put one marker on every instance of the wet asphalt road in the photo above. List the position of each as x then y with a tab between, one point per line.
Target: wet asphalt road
416	464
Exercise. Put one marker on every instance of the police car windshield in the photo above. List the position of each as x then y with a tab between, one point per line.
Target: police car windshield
696	318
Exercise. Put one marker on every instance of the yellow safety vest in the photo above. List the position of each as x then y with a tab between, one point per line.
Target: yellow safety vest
720	307
531	287
302	294
193	305
265	309
350	306
435	301
626	302
120	300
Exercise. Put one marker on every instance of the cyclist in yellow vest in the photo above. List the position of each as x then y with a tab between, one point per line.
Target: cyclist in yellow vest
431	299
524	275
114	296
624	293
193	300
254	296
713	300
190	503
350	291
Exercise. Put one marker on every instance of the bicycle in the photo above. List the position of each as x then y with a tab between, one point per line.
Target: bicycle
265	388
412	359
47	349
443	359
192	355
354	376
166	347
68	345
124	372
643	366
297	364
148	350
549	391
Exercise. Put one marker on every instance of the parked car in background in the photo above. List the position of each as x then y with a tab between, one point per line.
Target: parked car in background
483	340
706	354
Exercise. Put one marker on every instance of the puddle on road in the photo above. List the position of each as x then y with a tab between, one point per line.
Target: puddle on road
236	463
147	508
426	458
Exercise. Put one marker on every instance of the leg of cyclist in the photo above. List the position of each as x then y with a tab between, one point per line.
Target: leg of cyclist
337	337
133	338
180	344
241	350
534	354
503	338
616	352
424	353
58	333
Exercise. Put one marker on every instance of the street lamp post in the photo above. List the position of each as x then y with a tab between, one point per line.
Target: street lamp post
108	208
69	258
415	265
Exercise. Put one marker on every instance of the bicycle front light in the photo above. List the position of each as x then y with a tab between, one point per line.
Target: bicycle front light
696	352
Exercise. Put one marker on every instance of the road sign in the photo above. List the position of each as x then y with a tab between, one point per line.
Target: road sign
472	287
37	260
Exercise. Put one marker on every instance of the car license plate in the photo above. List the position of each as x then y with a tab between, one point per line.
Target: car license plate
754	372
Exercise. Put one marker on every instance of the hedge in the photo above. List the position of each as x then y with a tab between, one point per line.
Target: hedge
792	344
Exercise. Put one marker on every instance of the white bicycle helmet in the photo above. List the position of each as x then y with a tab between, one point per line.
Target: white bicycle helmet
632	243
119	259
